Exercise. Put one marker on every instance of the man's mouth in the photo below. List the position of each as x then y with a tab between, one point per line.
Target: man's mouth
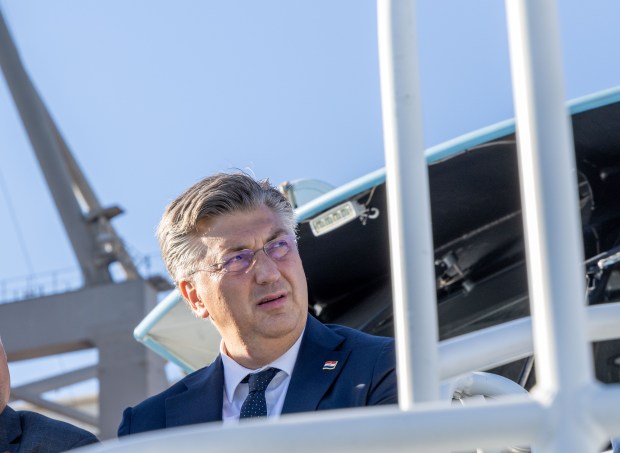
271	298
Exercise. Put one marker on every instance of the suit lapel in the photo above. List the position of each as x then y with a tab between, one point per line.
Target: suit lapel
202	401
310	381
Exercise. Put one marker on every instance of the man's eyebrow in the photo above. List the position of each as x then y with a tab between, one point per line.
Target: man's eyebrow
279	232
225	250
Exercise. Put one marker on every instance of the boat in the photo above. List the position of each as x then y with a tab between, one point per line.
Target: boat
480	267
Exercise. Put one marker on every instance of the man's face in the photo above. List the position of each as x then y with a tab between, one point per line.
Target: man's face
265	306
5	381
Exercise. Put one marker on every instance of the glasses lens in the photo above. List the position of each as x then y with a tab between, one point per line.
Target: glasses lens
278	248
238	262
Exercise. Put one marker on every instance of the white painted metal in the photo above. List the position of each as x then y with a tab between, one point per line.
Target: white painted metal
549	197
428	428
480	384
498	345
603	402
553	239
411	244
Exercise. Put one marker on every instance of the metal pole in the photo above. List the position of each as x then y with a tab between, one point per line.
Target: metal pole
84	192
41	136
411	244
436	429
554	245
504	343
64	176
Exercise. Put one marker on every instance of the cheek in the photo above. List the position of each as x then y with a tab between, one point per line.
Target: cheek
300	274
228	291
227	299
297	278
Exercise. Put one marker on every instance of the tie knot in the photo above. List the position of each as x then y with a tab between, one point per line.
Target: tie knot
258	382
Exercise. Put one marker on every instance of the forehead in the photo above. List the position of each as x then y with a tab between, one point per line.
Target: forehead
243	229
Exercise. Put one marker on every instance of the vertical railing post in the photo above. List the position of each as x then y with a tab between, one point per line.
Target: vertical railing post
411	245
554	245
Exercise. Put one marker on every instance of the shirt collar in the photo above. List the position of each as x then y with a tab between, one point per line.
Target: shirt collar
234	373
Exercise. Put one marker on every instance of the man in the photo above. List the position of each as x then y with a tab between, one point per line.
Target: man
229	244
24	431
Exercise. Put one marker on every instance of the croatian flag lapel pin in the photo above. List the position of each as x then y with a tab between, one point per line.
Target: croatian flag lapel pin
330	365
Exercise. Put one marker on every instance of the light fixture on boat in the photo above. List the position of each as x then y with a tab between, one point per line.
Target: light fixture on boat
336	217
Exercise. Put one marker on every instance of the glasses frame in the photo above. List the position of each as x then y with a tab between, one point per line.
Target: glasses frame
218	268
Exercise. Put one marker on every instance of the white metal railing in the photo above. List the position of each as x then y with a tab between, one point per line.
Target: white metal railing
408	198
504	343
568	411
551	219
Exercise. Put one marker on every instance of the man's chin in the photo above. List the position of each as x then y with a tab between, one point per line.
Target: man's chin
281	327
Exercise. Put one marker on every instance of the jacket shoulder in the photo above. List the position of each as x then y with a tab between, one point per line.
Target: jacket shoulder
48	434
357	338
150	414
158	400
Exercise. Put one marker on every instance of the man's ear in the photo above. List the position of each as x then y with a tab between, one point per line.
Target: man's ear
190	294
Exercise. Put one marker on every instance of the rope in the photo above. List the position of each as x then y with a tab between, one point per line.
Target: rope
16	226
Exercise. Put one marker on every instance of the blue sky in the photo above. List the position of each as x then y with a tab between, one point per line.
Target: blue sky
153	95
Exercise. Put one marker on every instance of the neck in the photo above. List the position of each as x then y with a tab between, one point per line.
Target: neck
254	356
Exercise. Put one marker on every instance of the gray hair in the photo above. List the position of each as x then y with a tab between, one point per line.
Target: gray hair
222	193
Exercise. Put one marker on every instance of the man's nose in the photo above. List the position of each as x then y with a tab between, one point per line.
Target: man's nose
265	269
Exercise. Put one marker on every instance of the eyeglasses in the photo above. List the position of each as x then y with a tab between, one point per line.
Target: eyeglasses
242	260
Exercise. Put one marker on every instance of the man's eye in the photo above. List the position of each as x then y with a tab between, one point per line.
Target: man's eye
233	259
237	262
278	249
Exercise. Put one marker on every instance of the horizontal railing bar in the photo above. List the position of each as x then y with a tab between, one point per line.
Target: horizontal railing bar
427	428
510	341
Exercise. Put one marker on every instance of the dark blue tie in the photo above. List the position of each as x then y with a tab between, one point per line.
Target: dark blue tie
255	404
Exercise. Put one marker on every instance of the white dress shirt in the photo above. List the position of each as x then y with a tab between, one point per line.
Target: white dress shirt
235	392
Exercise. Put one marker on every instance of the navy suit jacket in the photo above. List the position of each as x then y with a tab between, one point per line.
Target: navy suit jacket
364	376
29	432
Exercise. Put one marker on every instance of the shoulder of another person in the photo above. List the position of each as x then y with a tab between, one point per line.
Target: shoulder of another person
30	418
39	424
